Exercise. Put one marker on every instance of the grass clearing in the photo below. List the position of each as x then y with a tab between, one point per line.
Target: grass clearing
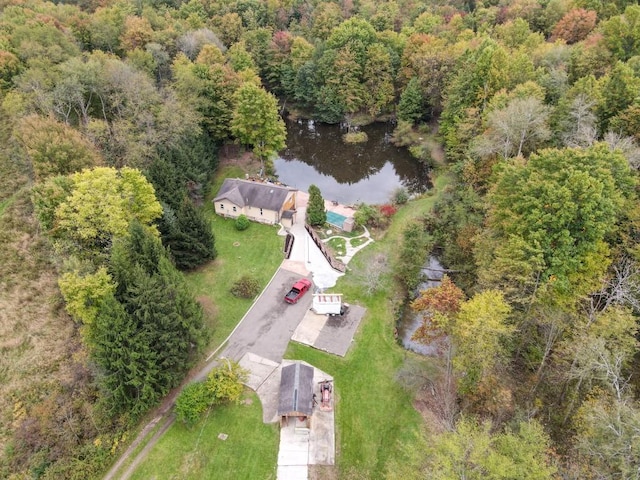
374	413
250	450
256	252
39	344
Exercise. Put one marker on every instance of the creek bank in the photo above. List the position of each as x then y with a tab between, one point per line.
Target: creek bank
432	272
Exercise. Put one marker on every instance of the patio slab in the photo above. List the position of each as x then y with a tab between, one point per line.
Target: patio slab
329	334
309	328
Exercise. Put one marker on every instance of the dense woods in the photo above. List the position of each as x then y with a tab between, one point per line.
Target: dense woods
112	115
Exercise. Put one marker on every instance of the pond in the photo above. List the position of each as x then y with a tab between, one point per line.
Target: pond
348	173
432	272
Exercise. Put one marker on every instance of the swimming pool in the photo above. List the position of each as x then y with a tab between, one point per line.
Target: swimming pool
336	219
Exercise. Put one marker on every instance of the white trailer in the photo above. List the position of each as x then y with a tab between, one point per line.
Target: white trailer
328	304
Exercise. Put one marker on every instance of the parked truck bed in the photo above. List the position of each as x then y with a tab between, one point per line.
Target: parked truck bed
297	291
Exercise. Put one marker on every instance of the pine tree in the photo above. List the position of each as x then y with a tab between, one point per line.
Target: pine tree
127	364
185	231
411	106
187	235
168	182
148	333
316	214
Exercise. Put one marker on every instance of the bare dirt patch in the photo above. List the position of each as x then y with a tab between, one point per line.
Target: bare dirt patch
231	154
323	472
210	309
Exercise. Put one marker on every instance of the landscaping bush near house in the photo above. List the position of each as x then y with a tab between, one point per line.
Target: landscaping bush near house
387	210
245	287
242	223
367	215
374	216
192	402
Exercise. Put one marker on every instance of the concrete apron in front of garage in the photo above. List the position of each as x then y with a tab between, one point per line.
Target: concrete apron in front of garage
299	448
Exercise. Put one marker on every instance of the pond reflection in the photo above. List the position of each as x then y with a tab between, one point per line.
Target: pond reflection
367	172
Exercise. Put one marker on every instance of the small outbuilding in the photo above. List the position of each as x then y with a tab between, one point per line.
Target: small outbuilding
296	394
262	202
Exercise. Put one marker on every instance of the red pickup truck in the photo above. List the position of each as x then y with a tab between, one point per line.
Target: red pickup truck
297	291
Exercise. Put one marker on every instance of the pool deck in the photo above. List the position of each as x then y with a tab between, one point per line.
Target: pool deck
329	205
347	211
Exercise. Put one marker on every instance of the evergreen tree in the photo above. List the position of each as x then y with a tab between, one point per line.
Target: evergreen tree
126	362
146	336
411	106
195	159
188	236
316	214
167	181
184	229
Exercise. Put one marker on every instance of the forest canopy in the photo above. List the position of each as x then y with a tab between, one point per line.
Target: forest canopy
112	116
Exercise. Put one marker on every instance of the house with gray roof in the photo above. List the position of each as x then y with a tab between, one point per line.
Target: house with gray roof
262	202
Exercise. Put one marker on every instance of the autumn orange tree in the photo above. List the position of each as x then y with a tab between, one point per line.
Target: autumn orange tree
437	305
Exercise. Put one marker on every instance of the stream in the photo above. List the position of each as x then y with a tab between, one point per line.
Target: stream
411	321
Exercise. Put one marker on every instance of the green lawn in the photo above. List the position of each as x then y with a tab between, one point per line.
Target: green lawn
374	413
250	450
256	251
337	245
355	242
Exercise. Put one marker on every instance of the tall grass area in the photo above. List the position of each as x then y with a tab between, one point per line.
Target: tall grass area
374	413
37	339
256	251
250	450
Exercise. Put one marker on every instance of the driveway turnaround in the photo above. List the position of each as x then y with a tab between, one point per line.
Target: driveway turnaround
267	327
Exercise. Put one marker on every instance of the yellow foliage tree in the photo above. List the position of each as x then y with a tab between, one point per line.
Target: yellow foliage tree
102	204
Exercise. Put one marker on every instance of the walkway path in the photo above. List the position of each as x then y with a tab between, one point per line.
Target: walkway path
350	250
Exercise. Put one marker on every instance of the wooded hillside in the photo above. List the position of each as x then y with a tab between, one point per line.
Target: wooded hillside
112	113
